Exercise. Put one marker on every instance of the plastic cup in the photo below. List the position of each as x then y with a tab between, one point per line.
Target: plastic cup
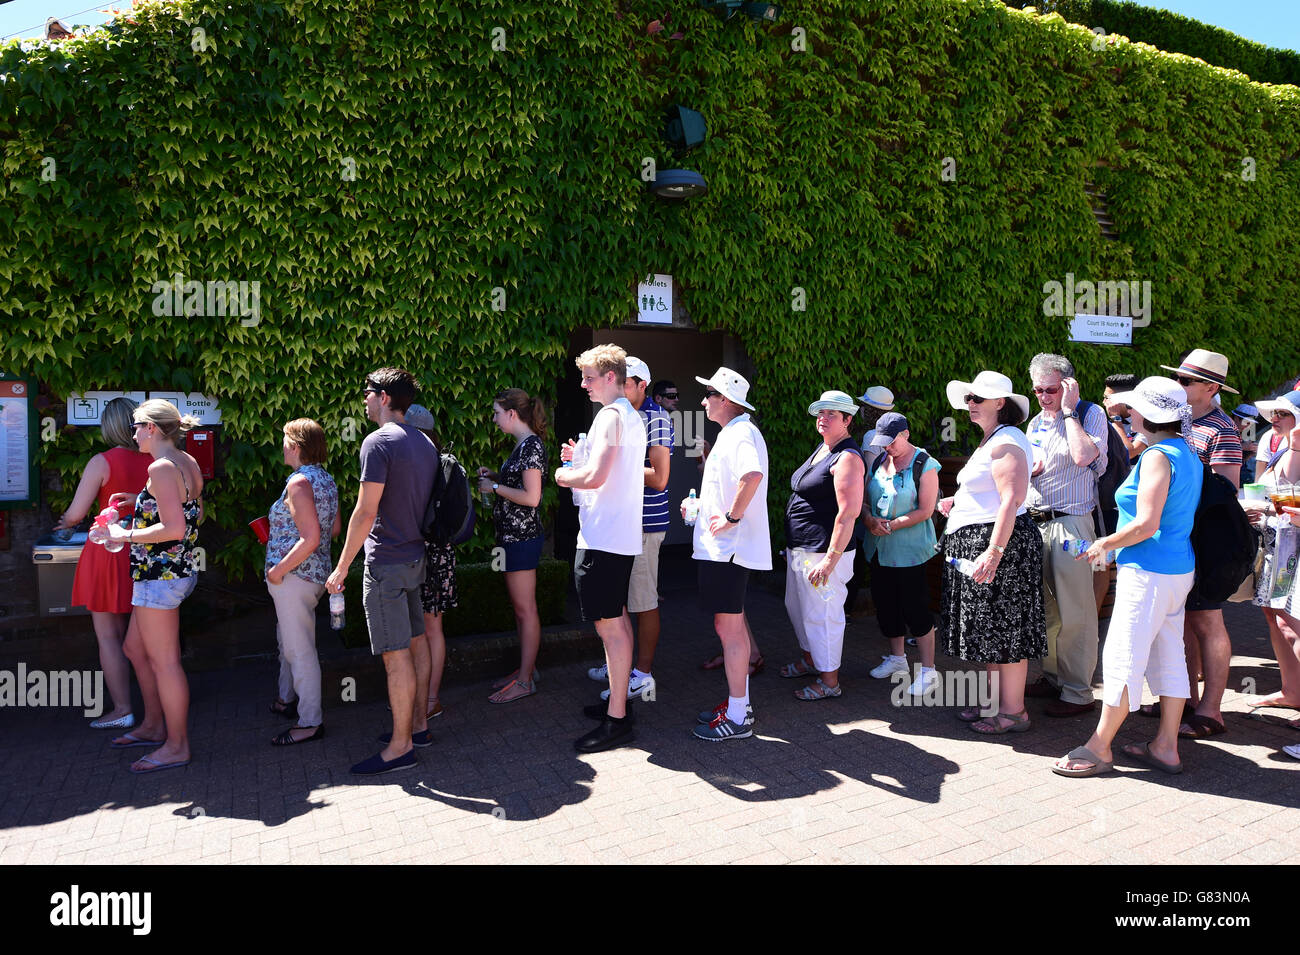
262	528
1256	492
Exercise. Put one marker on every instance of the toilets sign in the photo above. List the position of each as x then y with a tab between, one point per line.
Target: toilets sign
654	300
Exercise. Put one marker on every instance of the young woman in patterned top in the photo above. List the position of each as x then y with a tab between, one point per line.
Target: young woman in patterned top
516	514
163	539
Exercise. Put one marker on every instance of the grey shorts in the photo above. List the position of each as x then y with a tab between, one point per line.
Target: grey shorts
390	596
162	594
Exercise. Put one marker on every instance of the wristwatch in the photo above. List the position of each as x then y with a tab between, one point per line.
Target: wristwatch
732	520
1069	414
494	487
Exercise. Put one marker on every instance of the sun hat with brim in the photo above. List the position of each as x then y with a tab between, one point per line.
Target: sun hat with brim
1289	402
878	396
1159	400
889	427
987	384
636	368
834	401
418	416
1206	365
1245	411
731	384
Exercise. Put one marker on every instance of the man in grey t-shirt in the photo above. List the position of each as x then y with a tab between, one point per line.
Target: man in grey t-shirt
398	468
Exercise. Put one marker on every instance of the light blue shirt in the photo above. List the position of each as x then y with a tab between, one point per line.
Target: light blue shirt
893	496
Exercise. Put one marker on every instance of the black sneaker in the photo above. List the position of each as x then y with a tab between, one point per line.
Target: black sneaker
609	734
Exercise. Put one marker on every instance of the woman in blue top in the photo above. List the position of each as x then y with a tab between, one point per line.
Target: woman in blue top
303	520
1157	504
898	513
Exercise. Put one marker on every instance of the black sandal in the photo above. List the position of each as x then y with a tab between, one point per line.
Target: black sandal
287	738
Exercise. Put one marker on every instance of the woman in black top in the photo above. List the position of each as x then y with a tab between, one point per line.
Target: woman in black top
825	500
516	515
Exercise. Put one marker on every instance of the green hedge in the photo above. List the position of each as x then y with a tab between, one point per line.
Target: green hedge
1176	33
483	604
518	168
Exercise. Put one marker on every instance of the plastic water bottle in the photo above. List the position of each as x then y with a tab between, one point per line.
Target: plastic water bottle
962	565
99	530
336	611
1078	548
692	508
821	589
581	498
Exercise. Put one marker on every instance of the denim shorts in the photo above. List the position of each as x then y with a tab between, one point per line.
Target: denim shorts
162	594
524	555
390	596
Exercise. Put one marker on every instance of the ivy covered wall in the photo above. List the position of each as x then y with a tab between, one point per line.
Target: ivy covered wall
916	168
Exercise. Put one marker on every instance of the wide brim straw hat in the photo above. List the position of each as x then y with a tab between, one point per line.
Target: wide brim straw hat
731	384
1206	365
987	384
834	401
1157	399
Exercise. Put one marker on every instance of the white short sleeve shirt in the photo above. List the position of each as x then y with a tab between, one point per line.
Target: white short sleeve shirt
739	450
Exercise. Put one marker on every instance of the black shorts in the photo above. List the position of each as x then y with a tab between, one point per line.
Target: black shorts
902	599
601	579
722	586
1195	602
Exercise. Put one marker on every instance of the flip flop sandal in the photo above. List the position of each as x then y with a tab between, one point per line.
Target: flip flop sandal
793	671
1274	720
1081	753
1152	710
713	663
135	741
1144	756
818	691
1201	727
156	767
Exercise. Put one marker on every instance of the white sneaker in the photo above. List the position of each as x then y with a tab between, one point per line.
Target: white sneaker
642	689
600	674
1293	751
890	665
927	679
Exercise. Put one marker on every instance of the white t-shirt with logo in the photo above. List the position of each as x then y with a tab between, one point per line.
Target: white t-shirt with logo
739	450
612	521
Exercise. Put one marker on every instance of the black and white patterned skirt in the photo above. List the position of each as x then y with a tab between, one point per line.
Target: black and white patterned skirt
1001	621
438	592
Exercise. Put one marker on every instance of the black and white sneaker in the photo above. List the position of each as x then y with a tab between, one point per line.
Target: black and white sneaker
708	716
722	728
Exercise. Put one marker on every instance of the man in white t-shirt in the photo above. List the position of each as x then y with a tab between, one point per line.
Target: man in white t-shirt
609	534
731	539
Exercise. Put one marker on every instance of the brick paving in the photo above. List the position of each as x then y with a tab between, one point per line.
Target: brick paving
847	780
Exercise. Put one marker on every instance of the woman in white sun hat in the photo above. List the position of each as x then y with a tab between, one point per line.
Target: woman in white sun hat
996	616
731	539
1157	504
825	500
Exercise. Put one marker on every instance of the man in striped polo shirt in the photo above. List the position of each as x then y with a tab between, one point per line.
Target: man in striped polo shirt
1069	455
643	590
1215	440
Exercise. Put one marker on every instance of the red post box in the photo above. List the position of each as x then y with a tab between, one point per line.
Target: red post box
201	444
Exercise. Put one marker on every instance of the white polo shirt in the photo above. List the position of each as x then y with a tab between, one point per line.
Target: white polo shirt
612	522
739	450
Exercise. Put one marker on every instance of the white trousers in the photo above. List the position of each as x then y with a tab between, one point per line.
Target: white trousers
817	613
1145	638
295	630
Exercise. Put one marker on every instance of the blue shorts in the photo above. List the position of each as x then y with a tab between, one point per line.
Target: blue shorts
162	594
524	555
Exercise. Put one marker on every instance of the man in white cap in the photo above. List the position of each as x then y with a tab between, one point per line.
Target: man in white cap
643	589
609	531
731	539
1214	438
1069	456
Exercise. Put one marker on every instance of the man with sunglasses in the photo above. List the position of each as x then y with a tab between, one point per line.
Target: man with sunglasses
1069	455
1214	438
398	468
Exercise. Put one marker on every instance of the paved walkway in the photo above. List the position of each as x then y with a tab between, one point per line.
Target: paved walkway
847	780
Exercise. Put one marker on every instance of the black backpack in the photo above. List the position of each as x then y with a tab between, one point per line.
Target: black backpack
1222	539
918	467
1117	461
449	515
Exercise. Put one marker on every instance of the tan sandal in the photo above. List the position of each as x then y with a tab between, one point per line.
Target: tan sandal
514	690
991	727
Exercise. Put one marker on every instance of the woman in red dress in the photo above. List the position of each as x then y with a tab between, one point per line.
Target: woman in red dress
103	581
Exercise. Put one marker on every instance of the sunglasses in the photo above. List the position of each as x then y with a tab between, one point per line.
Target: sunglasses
138	424
371	391
1047	391
710	393
975	398
670	397
1185	381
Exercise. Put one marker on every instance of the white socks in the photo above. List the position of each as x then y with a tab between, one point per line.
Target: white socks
736	706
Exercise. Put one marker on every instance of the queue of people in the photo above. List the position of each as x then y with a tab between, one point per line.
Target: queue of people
1022	539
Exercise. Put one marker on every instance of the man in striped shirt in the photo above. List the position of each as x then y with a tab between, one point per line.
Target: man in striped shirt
1205	638
643	590
1069	455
